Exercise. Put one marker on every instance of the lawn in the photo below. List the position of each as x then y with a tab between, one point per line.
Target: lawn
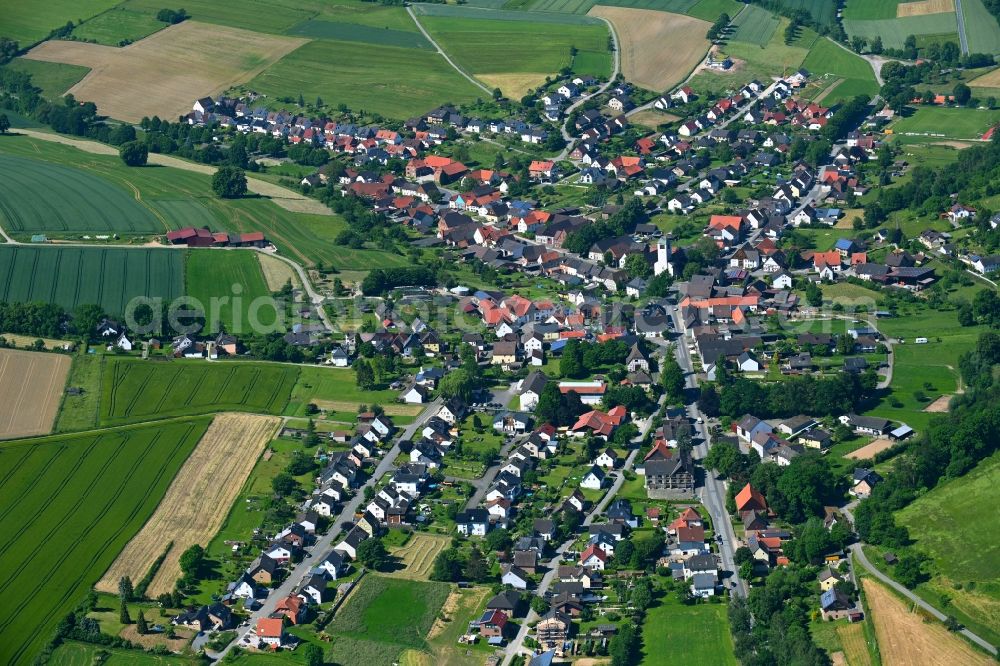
134	390
677	634
53	78
384	616
72	276
935	122
826	57
84	496
410	81
24	22
41	197
949	524
494	47
870	9
335	389
119	25
230	288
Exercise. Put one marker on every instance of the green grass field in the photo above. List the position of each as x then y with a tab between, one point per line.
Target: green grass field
391	613
710	10
894	31
509	46
981	27
826	57
54	78
409	80
583	6
676	634
568	12
117	25
936	123
319	29
24	22
949	524
73	653
70	504
41	197
273	16
754	25
332	385
231	289
133	390
72	276
870	9
823	11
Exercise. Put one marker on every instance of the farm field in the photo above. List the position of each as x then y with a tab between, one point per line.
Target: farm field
268	16
276	272
72	653
22	20
640	34
230	287
214	474
571	15
754	25
824	11
417	556
352	32
583	6
131	82
384	616
904	637
39	197
31	388
504	47
673	634
894	31
948	523
826	57
53	78
118	24
340	72
864	10
922	7
710	10
116	275
135	390
99	489
981	27
934	123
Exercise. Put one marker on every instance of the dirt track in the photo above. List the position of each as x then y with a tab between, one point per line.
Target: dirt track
31	388
197	502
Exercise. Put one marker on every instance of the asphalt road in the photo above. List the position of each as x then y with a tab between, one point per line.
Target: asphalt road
963	40
325	543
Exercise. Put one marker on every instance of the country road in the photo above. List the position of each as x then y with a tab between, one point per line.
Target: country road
963	40
427	36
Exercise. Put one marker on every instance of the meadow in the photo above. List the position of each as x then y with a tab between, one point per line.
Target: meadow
673	633
948	524
352	32
22	20
268	16
490	47
934	123
759	61
583	6
72	276
981	27
230	287
570	15
73	653
52	77
409	80
70	503
335	389
823	11
41	197
870	9
754	25
710	10
894	31
826	57
133	390
119	24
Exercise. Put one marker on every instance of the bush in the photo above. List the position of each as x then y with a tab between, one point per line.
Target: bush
134	153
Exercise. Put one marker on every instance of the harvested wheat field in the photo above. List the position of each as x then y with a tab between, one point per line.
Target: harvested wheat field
940	405
905	637
197	501
31	387
852	638
418	556
164	73
923	7
658	49
277	273
869	450
514	85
